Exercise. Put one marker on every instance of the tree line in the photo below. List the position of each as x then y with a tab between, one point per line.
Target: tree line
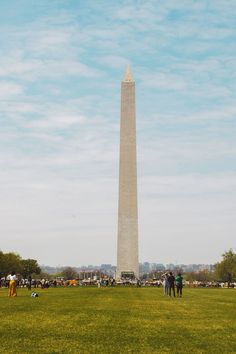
225	270
10	262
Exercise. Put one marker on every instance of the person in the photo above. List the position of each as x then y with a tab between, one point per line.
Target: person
43	283
171	281
12	284
165	285
29	283
179	284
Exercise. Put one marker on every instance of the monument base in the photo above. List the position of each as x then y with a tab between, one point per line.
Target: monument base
127	275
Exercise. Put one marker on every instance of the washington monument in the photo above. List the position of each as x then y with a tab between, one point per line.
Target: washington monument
127	245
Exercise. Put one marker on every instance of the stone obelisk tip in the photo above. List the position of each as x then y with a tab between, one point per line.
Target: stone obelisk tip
128	74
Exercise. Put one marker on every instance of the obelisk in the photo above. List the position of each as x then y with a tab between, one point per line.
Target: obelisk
127	245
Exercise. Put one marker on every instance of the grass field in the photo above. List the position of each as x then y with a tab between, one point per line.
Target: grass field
118	320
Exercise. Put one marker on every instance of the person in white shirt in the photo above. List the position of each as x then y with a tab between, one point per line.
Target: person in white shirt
12	284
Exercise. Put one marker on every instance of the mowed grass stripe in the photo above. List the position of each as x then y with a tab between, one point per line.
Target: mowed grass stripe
118	320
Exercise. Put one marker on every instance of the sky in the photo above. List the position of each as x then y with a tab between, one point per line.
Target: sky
61	64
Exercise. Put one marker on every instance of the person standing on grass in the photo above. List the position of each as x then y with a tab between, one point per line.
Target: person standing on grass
171	281
179	284
12	284
29	283
165	285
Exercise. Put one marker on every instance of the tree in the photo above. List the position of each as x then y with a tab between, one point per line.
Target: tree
9	262
29	266
226	269
69	273
13	262
202	276
1	262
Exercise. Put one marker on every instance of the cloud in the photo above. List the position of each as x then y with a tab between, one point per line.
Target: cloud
18	67
189	185
57	119
189	212
115	62
9	89
162	81
60	71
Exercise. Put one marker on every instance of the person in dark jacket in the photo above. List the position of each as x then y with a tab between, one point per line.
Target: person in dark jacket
171	281
29	283
179	284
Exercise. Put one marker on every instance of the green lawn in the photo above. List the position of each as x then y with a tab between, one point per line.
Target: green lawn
118	320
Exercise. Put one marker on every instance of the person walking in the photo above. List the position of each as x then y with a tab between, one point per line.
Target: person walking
179	284
12	284
171	281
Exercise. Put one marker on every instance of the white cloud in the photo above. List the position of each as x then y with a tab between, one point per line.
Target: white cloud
190	217
16	66
57	120
59	133
162	81
9	89
113	61
32	69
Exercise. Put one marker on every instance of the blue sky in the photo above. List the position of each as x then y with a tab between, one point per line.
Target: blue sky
61	63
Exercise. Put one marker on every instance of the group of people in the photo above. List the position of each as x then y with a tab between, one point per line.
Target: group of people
170	282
